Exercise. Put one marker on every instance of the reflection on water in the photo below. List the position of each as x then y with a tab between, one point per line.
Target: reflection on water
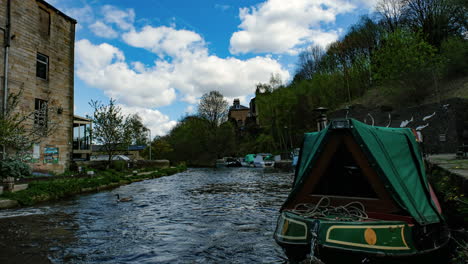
199	216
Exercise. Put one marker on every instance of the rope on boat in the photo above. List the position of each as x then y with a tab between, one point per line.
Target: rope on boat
353	211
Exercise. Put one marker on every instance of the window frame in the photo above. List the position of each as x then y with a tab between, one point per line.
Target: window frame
40	122
46	63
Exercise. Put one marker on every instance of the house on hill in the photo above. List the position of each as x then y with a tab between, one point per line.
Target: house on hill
238	112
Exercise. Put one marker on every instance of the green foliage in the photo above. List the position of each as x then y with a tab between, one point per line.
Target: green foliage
119	165
402	54
455	53
110	128
136	132
39	191
14	168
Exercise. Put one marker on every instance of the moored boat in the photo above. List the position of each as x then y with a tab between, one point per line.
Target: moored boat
264	160
360	190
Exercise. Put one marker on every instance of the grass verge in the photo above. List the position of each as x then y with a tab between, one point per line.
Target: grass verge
56	189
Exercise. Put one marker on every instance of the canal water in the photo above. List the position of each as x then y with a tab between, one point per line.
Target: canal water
198	216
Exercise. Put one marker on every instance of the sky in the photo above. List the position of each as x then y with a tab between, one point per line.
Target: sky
157	58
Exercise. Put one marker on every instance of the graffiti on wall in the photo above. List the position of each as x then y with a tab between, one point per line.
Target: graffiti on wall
51	155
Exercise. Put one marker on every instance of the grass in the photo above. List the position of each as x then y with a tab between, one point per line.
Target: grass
455	208
56	189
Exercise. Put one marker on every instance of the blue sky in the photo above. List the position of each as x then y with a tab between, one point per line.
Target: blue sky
157	57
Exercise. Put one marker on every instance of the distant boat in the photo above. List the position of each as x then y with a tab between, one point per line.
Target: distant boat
248	160
232	162
264	160
360	192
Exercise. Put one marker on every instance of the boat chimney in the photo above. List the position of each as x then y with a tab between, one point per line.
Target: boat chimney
322	119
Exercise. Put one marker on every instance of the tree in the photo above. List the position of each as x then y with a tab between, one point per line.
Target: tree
20	129
213	108
391	13
109	128
136	131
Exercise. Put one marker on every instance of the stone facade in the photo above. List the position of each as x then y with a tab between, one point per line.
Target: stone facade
41	61
238	112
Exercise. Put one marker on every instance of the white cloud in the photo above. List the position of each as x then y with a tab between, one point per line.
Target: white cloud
158	123
102	30
190	109
279	26
165	40
122	18
84	14
103	66
191	70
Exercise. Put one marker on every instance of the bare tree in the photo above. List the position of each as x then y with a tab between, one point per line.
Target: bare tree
213	108
391	13
20	129
309	61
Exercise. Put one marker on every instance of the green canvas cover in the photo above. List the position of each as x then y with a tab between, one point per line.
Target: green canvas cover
394	154
249	158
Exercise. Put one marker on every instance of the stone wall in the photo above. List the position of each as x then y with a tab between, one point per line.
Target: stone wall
441	124
30	37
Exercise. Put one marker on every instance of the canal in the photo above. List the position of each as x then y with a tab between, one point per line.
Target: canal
198	216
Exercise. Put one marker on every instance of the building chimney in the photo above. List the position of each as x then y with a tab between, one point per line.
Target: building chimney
236	103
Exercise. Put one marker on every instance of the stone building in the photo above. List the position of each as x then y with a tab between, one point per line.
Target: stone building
238	112
38	52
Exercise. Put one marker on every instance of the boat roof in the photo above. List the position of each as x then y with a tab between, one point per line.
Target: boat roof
389	158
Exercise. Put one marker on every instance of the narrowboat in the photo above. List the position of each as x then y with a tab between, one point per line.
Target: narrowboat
360	195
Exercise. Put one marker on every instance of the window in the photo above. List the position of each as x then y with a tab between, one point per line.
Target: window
42	65
40	114
44	22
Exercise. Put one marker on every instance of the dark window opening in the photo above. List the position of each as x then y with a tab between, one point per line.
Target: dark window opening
44	22
343	177
40	114
42	65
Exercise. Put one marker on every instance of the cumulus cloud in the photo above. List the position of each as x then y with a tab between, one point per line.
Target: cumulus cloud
103	66
122	18
102	30
158	123
165	41
279	26
191	70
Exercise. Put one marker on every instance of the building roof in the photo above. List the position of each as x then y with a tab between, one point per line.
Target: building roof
238	107
80	118
58	11
98	148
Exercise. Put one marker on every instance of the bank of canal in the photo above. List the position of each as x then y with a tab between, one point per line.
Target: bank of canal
197	216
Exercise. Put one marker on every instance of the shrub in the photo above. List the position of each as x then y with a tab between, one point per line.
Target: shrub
14	168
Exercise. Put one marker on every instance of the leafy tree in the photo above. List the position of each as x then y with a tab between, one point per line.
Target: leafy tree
213	108
161	148
137	133
109	128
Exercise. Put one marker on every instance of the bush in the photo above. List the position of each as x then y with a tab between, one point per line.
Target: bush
14	168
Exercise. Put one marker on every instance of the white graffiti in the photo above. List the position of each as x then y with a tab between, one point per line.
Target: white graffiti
429	116
419	128
406	122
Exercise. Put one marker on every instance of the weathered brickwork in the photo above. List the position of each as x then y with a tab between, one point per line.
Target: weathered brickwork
30	37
